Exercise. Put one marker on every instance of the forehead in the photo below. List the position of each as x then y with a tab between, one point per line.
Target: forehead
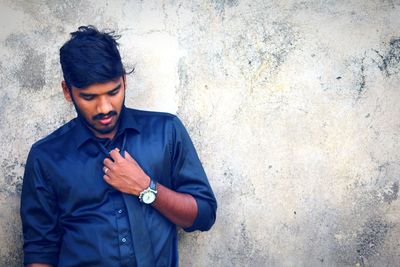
99	88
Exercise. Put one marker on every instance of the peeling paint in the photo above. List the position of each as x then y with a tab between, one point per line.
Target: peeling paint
12	173
31	72
391	61
220	5
371	238
392	194
31	75
361	87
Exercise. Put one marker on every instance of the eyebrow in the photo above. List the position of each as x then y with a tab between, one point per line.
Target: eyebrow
111	91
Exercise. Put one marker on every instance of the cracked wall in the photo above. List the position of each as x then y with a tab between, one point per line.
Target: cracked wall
292	105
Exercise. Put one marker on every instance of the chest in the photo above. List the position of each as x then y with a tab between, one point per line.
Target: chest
78	177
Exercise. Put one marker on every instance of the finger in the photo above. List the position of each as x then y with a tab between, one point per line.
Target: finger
108	163
128	157
108	172
105	169
107	179
111	173
115	155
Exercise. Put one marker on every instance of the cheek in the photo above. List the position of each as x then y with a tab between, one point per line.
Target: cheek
118	101
87	109
90	111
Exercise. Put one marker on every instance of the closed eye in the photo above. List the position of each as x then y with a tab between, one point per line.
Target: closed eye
87	97
114	92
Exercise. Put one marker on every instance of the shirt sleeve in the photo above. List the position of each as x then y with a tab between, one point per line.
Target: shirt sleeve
39	215
189	177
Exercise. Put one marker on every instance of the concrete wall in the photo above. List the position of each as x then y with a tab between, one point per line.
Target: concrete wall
293	106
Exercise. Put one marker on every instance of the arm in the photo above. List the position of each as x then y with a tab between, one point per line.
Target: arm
190	202
179	208
189	177
39	215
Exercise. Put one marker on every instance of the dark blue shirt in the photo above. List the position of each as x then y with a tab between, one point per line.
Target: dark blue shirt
72	217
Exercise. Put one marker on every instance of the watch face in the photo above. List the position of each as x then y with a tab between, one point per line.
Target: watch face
149	197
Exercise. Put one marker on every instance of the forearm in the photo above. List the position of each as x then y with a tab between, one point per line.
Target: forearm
179	208
39	265
125	174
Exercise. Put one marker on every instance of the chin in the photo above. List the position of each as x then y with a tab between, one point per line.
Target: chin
105	130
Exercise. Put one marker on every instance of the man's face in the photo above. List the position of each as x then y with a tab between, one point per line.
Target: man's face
100	105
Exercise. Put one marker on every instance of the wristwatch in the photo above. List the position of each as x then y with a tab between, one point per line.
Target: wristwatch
149	195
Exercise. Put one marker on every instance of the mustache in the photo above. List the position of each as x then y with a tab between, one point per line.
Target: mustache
102	115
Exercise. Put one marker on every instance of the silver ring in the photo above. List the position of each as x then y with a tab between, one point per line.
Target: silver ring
106	170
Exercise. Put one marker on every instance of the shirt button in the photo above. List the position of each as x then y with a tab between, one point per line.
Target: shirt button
123	240
120	211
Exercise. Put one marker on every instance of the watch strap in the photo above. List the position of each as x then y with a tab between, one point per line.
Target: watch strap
153	185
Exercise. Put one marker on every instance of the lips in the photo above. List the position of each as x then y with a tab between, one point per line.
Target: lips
106	120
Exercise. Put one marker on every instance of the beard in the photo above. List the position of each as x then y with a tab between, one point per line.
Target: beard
99	116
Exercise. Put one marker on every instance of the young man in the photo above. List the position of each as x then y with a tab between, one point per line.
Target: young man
109	187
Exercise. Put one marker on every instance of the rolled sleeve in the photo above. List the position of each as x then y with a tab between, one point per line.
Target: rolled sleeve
39	215
205	216
189	177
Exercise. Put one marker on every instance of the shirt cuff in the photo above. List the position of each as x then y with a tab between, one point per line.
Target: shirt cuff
48	258
205	217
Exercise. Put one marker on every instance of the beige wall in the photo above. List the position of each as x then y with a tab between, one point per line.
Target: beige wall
292	105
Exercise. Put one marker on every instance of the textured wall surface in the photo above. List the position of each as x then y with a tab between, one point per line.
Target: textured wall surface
294	107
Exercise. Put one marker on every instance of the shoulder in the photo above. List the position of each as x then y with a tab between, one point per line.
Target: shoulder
56	139
147	119
153	122
146	115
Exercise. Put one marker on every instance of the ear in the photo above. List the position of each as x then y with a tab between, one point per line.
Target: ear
67	92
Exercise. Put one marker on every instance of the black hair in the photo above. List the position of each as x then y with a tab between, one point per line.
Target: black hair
91	56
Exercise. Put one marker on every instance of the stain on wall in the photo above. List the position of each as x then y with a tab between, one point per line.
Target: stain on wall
293	107
220	5
392	194
390	61
371	237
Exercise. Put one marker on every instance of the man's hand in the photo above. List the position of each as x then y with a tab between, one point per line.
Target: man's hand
125	174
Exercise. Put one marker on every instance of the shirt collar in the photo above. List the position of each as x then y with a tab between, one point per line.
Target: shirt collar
127	121
82	133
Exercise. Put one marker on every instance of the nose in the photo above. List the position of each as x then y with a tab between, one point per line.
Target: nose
104	105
